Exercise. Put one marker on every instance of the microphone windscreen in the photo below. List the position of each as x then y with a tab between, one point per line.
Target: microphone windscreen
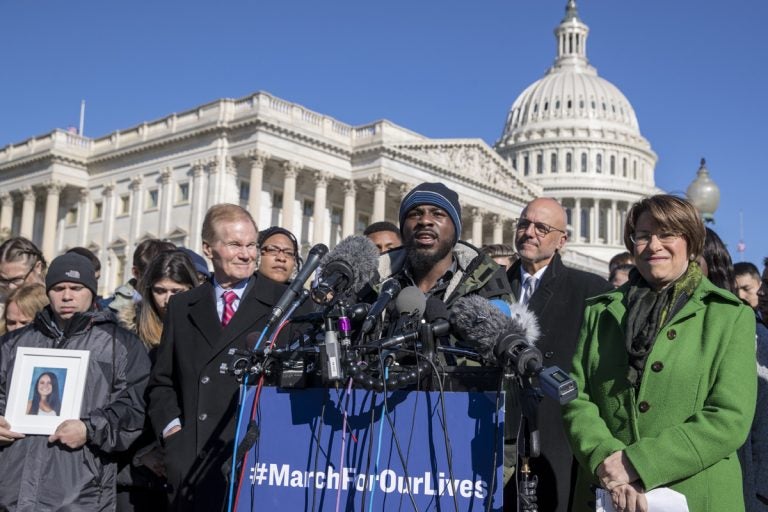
478	323
524	322
411	300
361	255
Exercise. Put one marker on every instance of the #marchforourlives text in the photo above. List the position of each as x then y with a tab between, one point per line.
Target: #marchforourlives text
388	481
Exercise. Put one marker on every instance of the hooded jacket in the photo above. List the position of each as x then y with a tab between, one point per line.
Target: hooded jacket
38	476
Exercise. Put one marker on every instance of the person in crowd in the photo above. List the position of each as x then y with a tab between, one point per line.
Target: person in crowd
141	481
747	279
665	368
201	266
620	275
127	295
46	397
754	454
74	467
21	262
503	254
623	258
716	263
279	254
385	235
193	405
23	304
169	273
557	295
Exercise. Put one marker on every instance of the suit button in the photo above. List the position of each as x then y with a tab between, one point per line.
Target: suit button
644	406
657	366
205	380
202	417
671	334
549	354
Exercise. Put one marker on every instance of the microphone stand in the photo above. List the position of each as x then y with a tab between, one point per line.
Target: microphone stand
528	446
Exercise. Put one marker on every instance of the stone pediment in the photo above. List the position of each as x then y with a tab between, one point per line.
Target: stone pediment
473	161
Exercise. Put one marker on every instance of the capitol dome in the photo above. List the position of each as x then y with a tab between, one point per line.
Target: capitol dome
576	134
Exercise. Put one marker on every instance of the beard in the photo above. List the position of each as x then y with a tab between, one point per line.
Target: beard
421	261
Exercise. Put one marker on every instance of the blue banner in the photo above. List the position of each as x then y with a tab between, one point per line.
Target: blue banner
419	451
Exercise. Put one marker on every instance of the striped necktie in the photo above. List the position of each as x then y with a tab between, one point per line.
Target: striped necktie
229	311
528	288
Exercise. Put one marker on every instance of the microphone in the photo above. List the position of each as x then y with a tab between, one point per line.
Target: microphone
355	313
314	258
411	301
496	337
346	269
435	323
389	290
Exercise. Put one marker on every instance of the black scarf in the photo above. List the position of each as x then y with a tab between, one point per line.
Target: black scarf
648	311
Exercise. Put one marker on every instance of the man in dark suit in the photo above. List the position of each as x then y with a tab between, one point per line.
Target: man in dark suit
556	294
192	406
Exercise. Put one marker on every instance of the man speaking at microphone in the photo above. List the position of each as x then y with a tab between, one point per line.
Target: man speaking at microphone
191	404
433	258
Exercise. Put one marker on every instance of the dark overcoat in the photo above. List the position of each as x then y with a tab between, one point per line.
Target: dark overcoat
186	384
558	302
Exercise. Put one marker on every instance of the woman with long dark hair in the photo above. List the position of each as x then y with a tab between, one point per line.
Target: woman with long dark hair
169	273
46	400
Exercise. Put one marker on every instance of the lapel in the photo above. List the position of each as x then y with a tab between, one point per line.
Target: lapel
202	313
545	290
513	276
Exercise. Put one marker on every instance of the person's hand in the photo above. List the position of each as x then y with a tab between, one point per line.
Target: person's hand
154	460
615	470
70	433
7	436
171	432
629	498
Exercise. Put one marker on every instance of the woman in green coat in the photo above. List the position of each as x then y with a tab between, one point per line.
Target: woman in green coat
666	372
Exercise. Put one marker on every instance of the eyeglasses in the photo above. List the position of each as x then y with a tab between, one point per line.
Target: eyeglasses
15	282
274	250
541	229
641	239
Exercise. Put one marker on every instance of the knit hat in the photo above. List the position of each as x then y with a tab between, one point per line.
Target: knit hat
201	266
435	194
71	268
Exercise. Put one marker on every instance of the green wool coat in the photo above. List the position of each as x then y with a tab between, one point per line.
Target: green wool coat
694	407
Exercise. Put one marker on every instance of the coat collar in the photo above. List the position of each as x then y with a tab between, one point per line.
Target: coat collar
554	269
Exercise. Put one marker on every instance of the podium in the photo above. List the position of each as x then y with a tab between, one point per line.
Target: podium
417	451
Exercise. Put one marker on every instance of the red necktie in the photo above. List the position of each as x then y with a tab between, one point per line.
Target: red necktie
229	298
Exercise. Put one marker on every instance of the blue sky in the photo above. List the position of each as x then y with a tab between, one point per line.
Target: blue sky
694	71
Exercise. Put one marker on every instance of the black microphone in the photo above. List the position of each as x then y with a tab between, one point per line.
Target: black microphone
346	269
389	290
355	313
411	301
314	258
435	322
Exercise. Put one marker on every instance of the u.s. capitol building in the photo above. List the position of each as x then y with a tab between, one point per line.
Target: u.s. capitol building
571	135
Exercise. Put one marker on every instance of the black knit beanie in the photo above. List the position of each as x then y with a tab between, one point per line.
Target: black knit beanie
71	268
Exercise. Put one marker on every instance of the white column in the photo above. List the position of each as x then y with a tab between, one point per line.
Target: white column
258	161
214	181
84	215
615	236
166	201
109	222
28	213
350	214
577	219
380	183
291	170
318	220
137	198
477	227
6	212
498	229
198	206
53	191
593	216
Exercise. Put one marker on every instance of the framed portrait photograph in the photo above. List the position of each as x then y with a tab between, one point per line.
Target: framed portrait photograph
47	386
